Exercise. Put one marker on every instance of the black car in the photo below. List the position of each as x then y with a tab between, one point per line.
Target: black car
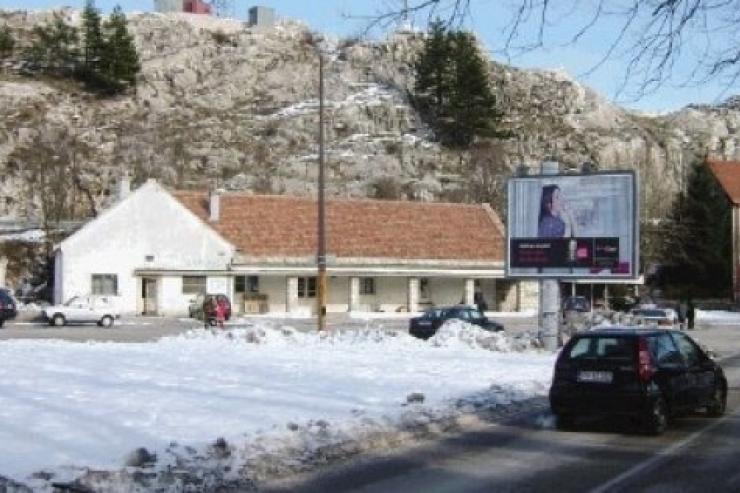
646	374
427	324
8	309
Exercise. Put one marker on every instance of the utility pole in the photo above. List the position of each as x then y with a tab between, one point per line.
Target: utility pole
321	257
549	289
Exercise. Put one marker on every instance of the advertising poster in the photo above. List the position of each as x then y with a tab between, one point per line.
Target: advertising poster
573	226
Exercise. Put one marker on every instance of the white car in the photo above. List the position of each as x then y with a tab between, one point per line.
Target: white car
100	309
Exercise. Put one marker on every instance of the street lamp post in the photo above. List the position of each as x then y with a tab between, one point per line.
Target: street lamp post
321	257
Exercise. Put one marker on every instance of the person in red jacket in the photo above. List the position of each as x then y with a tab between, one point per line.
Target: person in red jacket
220	312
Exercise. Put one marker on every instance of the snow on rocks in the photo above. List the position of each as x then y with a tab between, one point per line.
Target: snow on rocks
215	408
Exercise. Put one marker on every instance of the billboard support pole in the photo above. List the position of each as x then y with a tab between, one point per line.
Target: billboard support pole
549	309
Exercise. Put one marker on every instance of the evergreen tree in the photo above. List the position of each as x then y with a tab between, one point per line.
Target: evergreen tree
698	242
92	38
6	42
432	84
54	48
452	89
120	59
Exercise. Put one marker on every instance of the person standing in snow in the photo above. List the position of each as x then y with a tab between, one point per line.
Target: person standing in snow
220	312
690	313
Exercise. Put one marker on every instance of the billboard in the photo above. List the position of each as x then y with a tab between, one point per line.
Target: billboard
573	226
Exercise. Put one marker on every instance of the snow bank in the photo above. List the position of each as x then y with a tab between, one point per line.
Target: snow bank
717	317
230	406
458	333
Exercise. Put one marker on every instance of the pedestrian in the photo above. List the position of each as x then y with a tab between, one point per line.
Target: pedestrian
480	302
683	310
209	309
690	313
220	312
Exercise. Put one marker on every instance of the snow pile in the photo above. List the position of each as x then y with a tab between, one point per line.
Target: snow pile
228	407
456	332
717	317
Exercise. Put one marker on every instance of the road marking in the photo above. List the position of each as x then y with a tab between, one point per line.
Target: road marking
661	456
666	453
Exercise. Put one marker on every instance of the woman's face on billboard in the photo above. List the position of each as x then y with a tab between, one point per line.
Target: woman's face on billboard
556	203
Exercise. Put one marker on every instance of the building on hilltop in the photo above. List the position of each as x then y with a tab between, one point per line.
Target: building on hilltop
189	6
261	16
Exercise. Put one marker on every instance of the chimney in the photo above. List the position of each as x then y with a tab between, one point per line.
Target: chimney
124	186
214	204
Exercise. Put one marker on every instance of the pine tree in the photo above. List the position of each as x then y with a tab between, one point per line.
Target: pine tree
92	39
432	73
120	59
452	89
54	48
698	244
6	42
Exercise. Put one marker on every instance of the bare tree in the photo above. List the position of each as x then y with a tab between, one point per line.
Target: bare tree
654	37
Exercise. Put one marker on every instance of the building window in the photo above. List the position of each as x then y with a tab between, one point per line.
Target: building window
367	285
149	258
193	284
247	284
307	287
104	284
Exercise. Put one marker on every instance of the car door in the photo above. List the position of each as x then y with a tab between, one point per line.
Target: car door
700	369
671	371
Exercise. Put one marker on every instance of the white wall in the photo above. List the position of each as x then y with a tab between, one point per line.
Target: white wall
149	222
446	291
391	293
275	287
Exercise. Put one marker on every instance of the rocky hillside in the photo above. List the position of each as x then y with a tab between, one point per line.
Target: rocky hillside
219	103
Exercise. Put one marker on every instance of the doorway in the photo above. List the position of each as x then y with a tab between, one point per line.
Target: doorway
149	295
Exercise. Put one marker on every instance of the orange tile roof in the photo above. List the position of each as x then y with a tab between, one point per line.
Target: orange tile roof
728	176
272	225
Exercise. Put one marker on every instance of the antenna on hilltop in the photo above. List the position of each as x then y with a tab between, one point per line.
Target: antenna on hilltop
223	8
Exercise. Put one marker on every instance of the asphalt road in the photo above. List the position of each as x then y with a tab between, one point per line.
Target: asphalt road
697	453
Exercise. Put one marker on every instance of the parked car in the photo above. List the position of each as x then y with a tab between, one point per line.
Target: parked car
664	317
647	374
426	325
204	304
8	306
622	303
576	304
100	309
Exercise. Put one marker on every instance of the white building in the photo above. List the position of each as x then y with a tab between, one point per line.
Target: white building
158	249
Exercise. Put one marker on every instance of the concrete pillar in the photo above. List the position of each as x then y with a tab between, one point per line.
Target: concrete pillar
354	294
469	291
413	294
291	294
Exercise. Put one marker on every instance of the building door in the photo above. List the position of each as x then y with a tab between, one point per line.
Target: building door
149	295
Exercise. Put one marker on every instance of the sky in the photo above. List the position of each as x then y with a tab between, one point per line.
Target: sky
488	20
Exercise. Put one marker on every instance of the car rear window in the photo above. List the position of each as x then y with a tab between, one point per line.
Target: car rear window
602	347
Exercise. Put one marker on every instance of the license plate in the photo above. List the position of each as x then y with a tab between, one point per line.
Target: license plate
595	376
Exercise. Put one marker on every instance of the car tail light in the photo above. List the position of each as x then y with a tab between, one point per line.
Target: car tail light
644	367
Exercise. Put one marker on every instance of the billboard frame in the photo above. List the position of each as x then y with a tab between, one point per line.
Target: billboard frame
635	274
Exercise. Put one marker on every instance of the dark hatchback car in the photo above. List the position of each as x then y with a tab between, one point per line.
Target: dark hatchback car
426	325
8	309
646	374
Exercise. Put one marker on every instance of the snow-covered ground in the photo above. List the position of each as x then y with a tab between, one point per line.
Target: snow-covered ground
69	408
719	317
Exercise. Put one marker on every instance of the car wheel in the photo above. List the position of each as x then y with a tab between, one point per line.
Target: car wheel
564	422
718	404
106	321
58	320
656	420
